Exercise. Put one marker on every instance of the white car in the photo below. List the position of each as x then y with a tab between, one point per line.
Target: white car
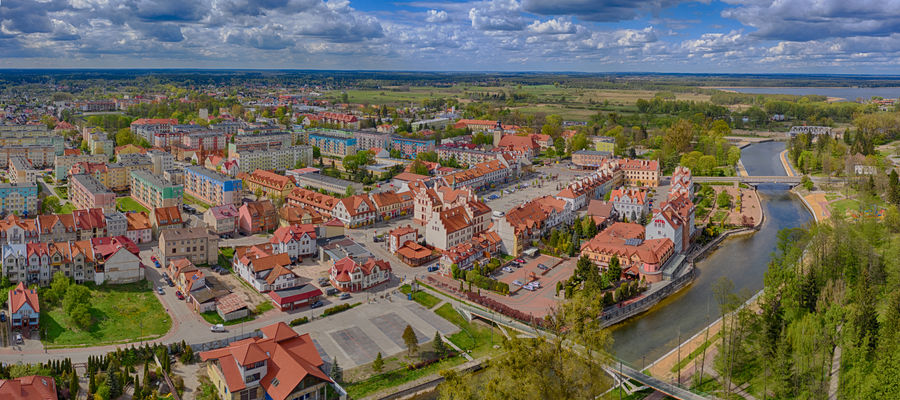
217	328
507	269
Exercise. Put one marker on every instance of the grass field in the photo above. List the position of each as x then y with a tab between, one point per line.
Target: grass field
570	103
214	318
127	204
426	300
196	202
840	207
121	314
67	208
62	192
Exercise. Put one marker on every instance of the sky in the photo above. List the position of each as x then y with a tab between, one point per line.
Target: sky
730	36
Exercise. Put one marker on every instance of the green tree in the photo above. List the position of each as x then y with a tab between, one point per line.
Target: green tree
73	385
678	137
378	364
137	389
58	288
440	348
409	338
418	167
102	392
50	205
336	372
317	152
76	295
350	191
724	200
614	270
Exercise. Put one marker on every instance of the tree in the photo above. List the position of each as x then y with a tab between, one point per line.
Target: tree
76	295
137	389
102	392
317	152
409	338
378	364
350	191
614	270
188	355
418	167
678	137
336	372
734	155
58	288
724	200
560	145
706	165
440	349
50	205
73	385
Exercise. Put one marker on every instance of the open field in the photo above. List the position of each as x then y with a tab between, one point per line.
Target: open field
127	204
570	103
120	313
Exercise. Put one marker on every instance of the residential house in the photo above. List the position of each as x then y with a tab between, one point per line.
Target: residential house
531	221
222	220
196	244
90	223
270	184
116	224
257	216
282	365
399	236
297	241
481	248
163	218
16	230
31	387
355	211
389	205
263	268
24	308
140	230
348	275
293	215
641	172
54	228
630	204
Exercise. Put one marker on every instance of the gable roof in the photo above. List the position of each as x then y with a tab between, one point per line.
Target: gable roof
21	296
165	216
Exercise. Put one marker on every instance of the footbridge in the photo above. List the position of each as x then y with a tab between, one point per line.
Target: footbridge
620	371
750	180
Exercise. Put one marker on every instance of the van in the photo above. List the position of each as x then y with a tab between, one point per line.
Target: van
499	214
331	291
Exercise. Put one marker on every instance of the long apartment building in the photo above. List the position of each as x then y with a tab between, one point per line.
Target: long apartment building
279	159
155	192
146	127
100	260
41	156
62	163
212	187
86	192
333	144
18	199
21	171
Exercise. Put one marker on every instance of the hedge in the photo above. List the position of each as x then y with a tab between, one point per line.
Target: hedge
299	321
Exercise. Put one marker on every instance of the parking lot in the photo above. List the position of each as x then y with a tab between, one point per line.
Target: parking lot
547	180
539	301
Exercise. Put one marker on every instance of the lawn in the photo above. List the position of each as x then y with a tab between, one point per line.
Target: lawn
195	201
426	300
226	254
214	318
121	314
127	204
476	338
840	207
67	208
62	192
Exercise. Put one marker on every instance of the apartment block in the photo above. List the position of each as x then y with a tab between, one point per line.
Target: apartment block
212	187
87	192
154	192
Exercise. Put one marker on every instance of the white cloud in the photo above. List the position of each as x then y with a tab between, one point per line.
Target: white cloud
436	16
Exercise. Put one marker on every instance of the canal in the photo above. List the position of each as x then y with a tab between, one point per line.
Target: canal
744	260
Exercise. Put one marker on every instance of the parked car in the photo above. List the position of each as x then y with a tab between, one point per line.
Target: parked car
171	284
344	296
217	328
536	284
433	268
19	339
528	287
157	264
2	317
179	295
160	290
331	291
517	282
316	304
508	269
542	266
520	261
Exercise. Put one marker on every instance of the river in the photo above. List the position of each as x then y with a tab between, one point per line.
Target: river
744	260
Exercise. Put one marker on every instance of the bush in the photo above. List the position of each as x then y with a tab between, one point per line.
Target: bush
338	308
299	321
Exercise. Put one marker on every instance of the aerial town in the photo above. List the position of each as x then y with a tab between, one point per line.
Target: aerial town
288	241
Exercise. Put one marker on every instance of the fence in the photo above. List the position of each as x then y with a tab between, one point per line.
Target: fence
616	314
218	344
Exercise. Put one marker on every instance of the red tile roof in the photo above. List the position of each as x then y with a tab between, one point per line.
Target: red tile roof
32	387
21	296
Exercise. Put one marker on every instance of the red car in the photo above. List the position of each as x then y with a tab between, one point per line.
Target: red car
520	261
153	258
179	295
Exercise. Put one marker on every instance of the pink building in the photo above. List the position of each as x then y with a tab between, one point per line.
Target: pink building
87	192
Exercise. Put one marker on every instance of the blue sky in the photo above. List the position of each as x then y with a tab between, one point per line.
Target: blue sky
740	36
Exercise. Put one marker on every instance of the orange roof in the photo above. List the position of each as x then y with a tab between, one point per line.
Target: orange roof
286	234
167	216
32	387
155	121
138	221
270	179
413	251
21	296
290	358
409	176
